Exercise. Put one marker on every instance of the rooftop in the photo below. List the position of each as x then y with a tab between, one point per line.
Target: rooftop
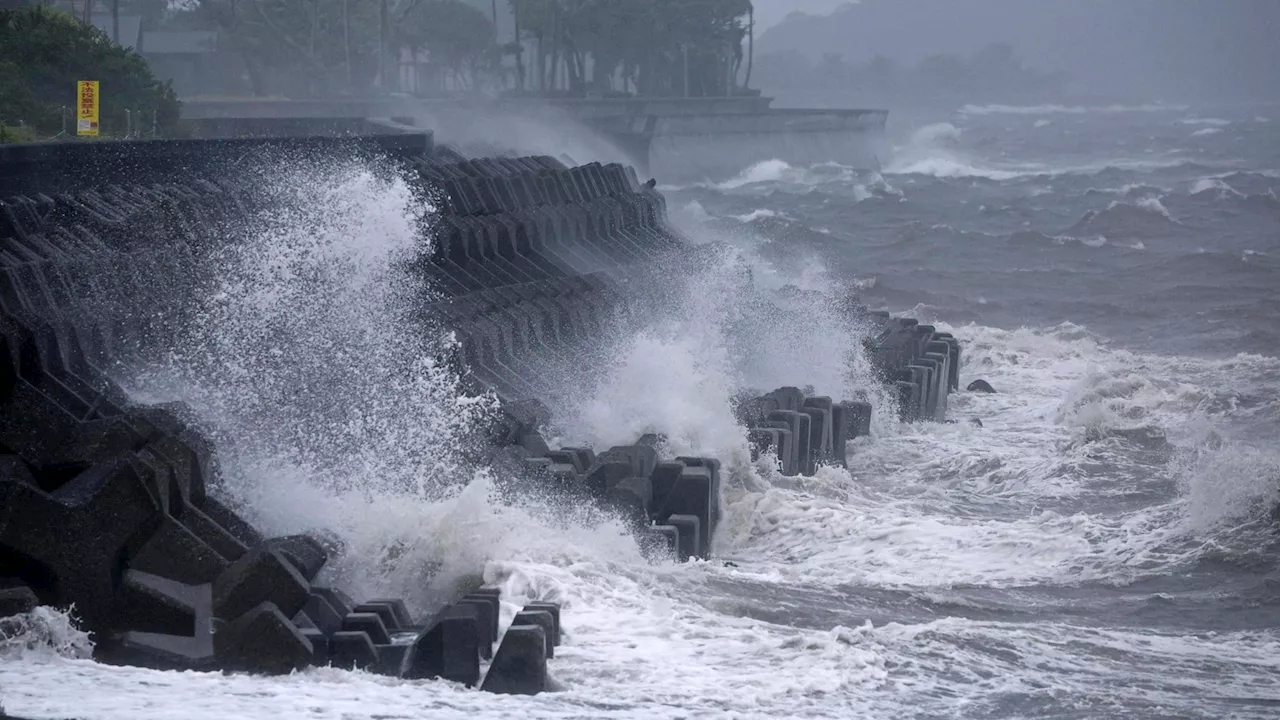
194	42
130	28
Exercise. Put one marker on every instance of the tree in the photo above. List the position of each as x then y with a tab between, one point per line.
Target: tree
318	47
328	47
458	39
152	12
43	52
661	47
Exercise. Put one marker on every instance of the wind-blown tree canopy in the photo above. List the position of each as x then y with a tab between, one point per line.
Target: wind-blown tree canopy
644	44
333	47
43	52
310	47
455	36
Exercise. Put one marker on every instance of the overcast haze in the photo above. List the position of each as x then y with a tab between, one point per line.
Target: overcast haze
772	12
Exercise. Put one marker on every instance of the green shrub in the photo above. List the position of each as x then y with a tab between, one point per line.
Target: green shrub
43	52
18	134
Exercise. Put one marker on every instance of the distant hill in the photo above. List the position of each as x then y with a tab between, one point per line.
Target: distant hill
1148	49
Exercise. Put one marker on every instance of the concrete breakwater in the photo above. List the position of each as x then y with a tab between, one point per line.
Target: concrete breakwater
676	140
113	506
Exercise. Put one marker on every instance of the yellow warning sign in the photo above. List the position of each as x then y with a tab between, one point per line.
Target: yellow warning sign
87	107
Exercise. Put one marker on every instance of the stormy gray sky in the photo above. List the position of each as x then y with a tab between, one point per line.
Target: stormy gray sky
1138	49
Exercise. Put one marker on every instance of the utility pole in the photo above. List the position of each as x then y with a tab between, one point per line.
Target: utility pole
751	44
499	59
346	38
730	77
686	69
555	46
115	21
519	47
383	50
542	53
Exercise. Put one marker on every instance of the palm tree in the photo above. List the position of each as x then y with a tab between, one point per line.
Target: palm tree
676	47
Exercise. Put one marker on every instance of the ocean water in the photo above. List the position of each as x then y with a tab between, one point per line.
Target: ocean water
1101	546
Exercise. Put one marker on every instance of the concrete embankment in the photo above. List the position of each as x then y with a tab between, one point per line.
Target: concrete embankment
674	139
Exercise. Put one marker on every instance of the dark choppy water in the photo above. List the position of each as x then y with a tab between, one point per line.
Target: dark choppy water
1156	227
1100	548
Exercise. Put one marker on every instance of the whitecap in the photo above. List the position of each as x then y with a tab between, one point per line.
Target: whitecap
1064	109
692	211
1214	185
765	171
1213	122
932	150
1152	204
1227	483
759	214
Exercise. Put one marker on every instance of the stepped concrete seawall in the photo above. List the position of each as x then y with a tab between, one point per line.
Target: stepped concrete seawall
115	506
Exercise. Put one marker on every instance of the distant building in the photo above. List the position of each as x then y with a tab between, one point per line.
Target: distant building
130	26
190	59
186	58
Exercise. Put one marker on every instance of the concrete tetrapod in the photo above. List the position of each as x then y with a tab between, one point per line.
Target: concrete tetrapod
520	665
116	507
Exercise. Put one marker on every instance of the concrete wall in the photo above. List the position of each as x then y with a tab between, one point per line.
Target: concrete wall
55	167
711	156
586	108
692	138
773	121
242	127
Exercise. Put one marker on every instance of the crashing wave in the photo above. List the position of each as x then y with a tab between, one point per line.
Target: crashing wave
1126	218
934	150
1214	186
1227	483
43	632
